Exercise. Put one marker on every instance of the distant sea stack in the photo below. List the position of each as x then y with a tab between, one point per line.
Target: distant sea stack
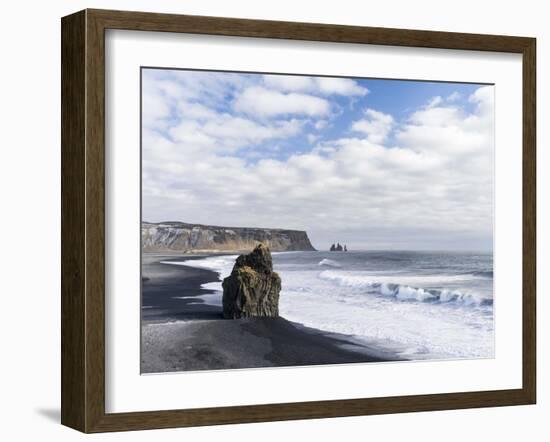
187	238
338	248
252	289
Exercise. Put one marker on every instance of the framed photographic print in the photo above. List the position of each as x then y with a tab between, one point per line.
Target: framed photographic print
269	220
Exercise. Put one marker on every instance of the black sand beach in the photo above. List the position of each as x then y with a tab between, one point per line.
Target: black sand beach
180	332
170	293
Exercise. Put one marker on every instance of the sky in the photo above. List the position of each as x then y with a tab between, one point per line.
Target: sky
373	163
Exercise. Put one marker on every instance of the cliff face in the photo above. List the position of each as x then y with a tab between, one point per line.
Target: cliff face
183	237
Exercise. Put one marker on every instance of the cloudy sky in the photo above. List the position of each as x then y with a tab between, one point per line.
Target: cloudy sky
376	164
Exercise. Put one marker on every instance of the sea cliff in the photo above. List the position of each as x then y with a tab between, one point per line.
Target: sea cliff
188	238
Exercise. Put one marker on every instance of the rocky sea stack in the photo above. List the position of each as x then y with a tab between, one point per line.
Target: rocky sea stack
252	289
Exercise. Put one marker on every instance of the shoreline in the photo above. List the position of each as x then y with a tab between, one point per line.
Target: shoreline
171	293
182	332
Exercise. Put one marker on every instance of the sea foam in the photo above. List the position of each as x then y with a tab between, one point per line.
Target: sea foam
329	263
404	292
222	265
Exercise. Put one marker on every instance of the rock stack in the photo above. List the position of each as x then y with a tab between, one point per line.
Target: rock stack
252	289
338	248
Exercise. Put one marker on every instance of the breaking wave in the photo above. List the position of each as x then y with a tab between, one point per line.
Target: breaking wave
329	263
404	292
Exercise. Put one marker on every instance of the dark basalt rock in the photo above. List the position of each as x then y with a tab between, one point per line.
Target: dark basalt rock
252	289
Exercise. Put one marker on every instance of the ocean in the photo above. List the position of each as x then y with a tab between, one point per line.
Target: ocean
420	305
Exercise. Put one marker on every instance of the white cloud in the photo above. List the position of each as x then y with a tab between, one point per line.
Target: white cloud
174	94
186	106
194	111
484	97
436	116
289	83
311	138
455	96
320	124
226	133
449	130
435	101
155	109
315	85
341	86
264	102
376	125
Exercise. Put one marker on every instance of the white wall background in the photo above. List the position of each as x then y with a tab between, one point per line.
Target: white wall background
30	216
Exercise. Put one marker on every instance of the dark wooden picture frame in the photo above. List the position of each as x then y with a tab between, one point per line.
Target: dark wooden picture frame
83	220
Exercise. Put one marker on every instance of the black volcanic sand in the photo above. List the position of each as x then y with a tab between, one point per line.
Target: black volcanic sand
189	334
163	285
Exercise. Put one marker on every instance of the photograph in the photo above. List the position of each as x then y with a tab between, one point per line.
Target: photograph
294	220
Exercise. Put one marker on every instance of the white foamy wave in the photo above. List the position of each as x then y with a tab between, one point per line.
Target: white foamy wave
215	263
216	286
359	279
405	292
463	298
213	299
222	265
346	279
329	263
